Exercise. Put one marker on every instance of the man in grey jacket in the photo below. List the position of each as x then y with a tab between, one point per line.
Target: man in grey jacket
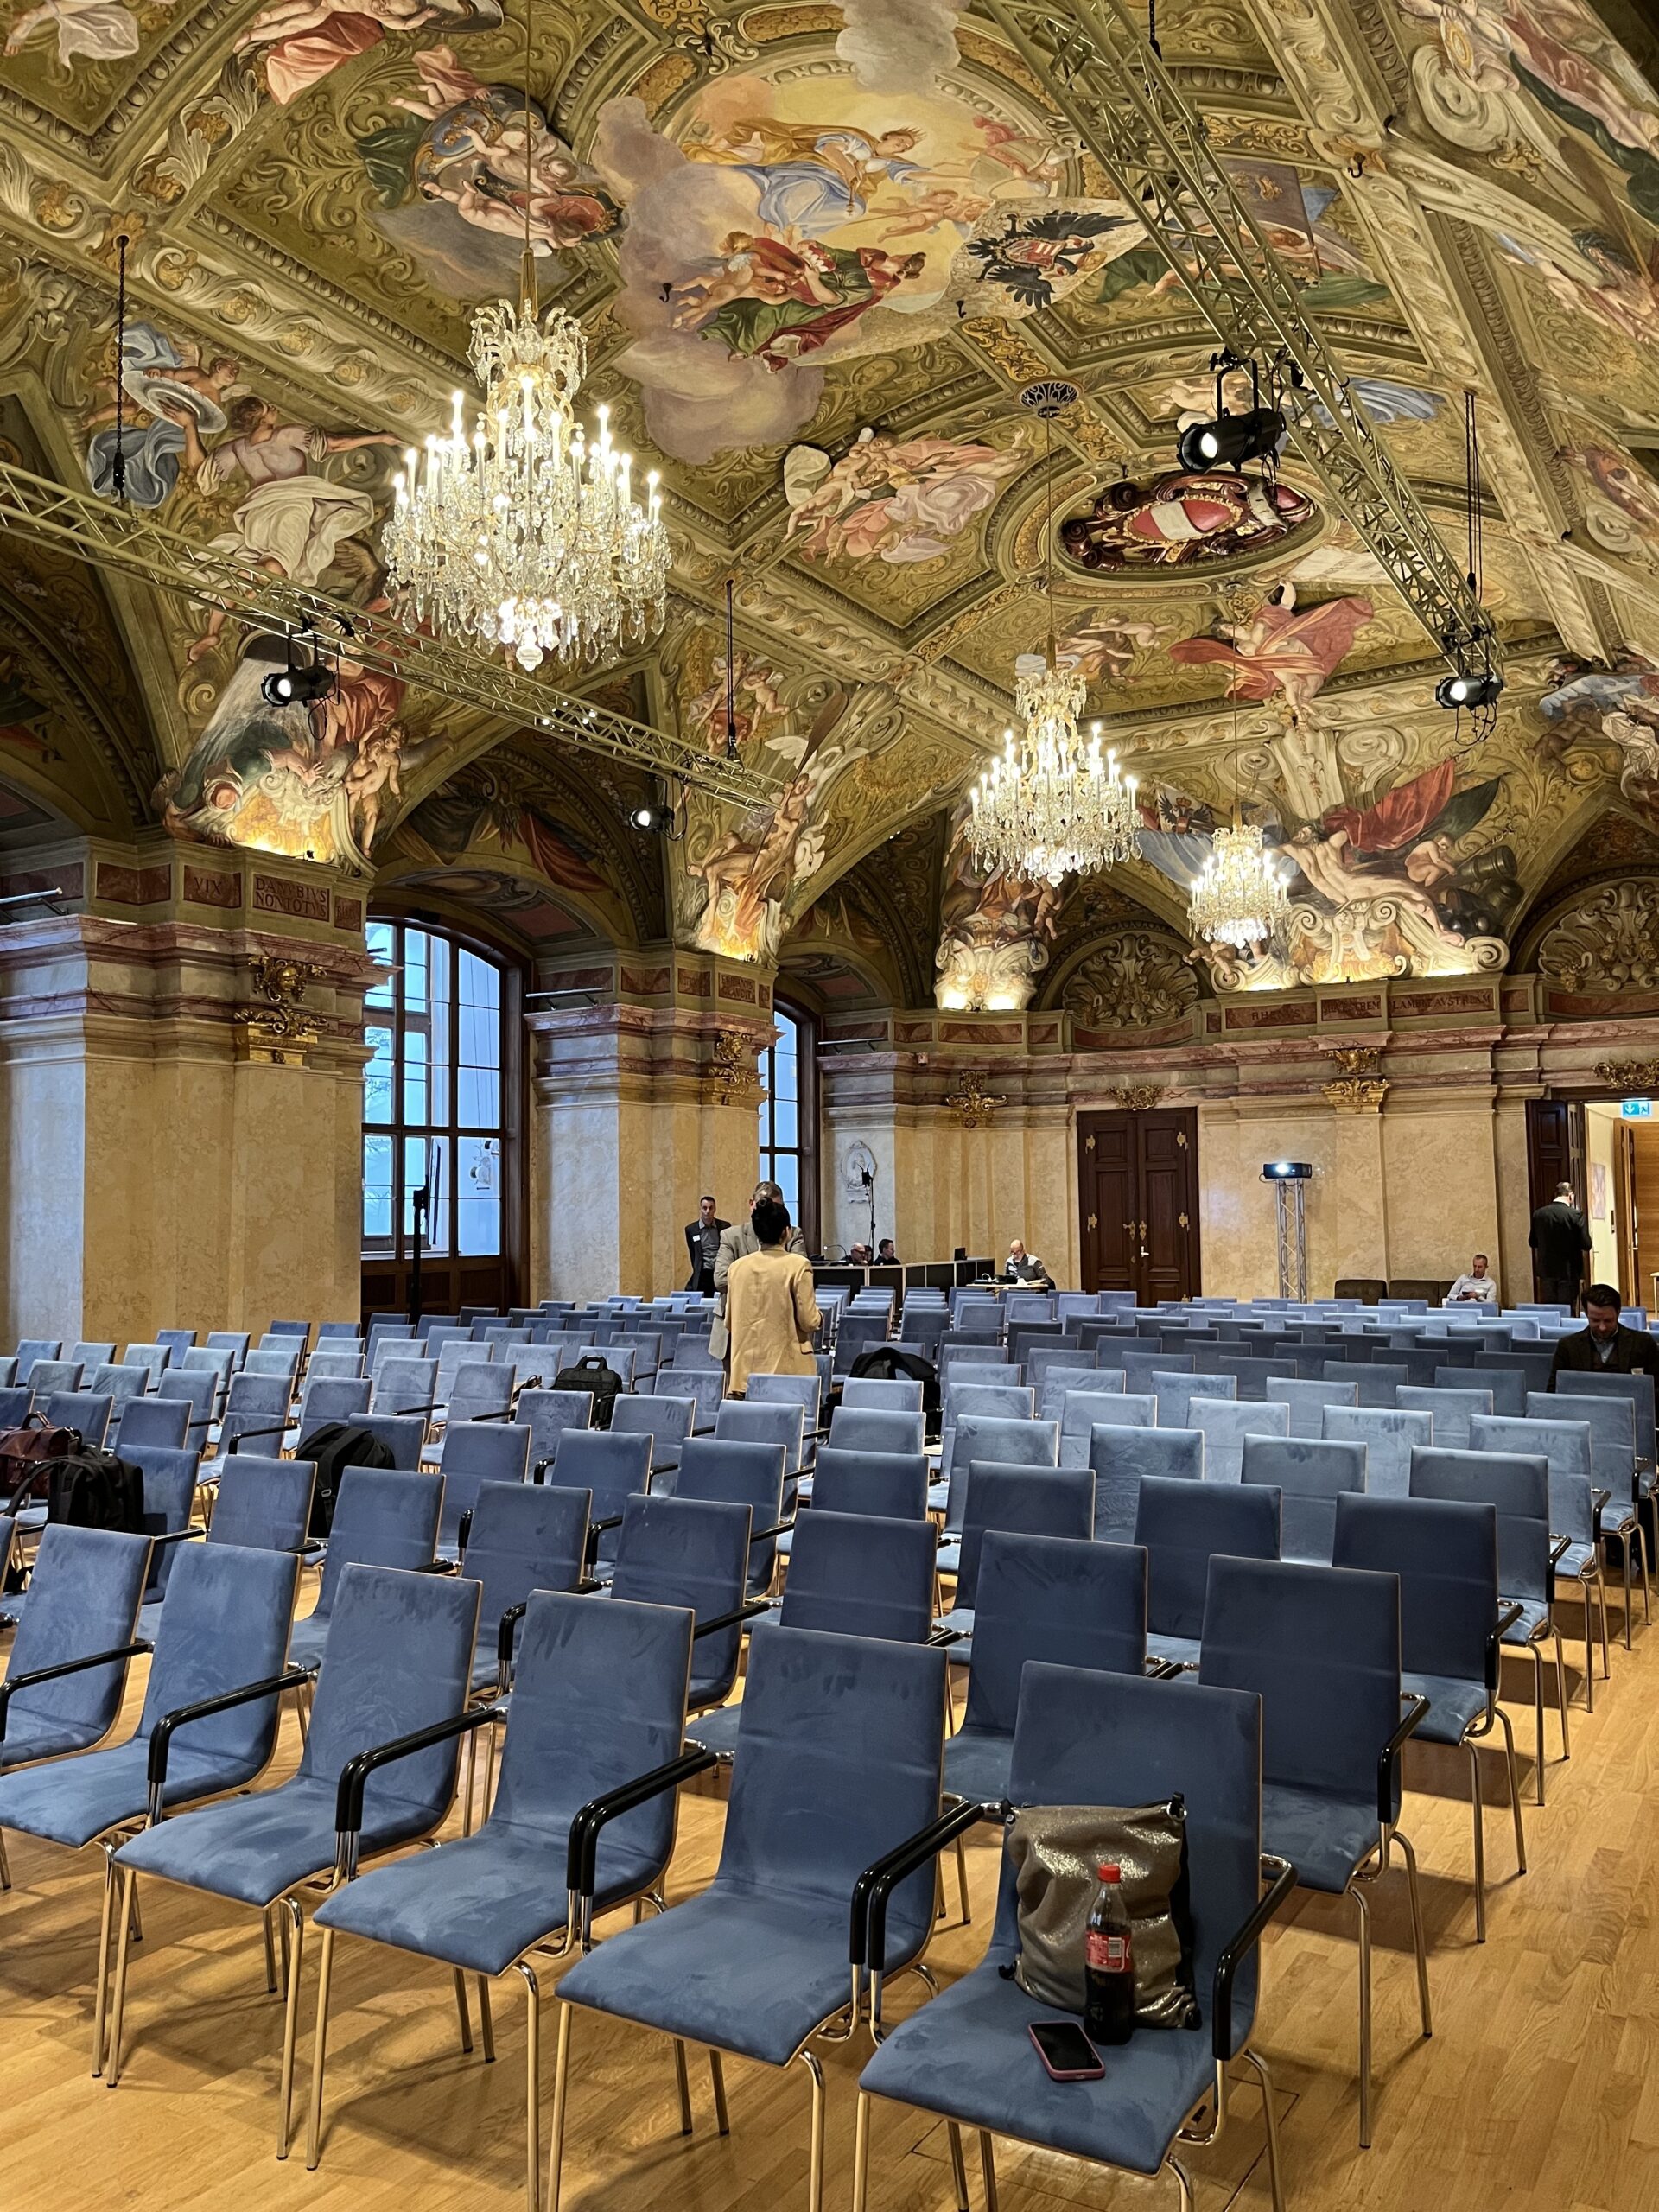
734	1242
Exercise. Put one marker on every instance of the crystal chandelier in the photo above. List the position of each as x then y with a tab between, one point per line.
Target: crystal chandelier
1240	897
1050	806
527	534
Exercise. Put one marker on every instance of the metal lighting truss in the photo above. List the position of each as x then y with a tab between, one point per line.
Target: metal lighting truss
126	540
1115	92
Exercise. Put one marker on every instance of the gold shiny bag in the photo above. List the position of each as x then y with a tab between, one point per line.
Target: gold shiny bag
1056	1850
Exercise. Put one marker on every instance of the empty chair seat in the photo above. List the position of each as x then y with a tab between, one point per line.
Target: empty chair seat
474	1452
855	1429
732	1473
1307	1400
1082	1410
882	1486
118	1382
803	1390
1448	1410
383	1517
612	1467
198	1389
262	1502
1175	1393
1311	1474
1181	1526
667	1421
93	1355
256	1408
163	1421
548	1414
764	1423
48	1377
1225	1423
31	1349
1391	1434
82	1410
1376	1381
1052	1382
899	1395
405	1386
403	1434
479	1390
1121	1457
692	1552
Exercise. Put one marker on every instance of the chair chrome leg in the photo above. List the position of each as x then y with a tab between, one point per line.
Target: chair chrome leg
1418	1943
1364	1911
5	1868
560	2082
292	2019
485	2022
533	2085
962	1885
1182	2183
958	2166
861	2152
682	2082
1538	1713
1515	1793
987	2169
324	1979
1270	2122
1480	1842
1607	1661
465	2016
1589	1648
106	1924
1560	1692
717	2082
815	2172
271	1954
112	2073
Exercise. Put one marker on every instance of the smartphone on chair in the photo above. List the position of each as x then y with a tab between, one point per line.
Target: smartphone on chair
1066	2052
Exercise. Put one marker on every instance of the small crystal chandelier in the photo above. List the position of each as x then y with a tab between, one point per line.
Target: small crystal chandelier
1050	806
527	534
1241	896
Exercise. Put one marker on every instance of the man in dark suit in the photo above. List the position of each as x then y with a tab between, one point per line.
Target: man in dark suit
702	1238
1603	1345
1560	1238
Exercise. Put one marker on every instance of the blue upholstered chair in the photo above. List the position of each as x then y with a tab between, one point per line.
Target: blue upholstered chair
1225	1423
983	1436
1175	1393
667	1421
1056	1377
1307	1400
84	1410
1310	1474
612	1467
47	1377
1180	1526
117	1383
170	1482
383	1517
224	1627
1517	1484
405	1386
1140	1366
1444	1554
1320	1646
480	1389
732	1472
1509	1385
1120	1457
178	1342
886	1485
1376	1381
1080	1410
599	1705
897	1394
1029	1501
1043	1597
1448	1409
474	1452
198	1388
805	1391
1391	1434
1096	1738
523	1537
337	1360
256	1407
326	1398
264	1503
865	1428
1254	1375
234	1341
403	1434
61	1692
163	1421
275	1362
757	1963
397	1663
691	1552
548	1414
33	1348
1579	1511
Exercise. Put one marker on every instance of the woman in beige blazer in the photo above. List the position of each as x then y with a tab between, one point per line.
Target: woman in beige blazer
771	1311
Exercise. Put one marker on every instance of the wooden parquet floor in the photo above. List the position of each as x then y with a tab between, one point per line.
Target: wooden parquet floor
1538	2093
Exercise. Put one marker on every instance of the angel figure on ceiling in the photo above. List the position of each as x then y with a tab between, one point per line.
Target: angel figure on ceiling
88	30
1277	649
304	41
895	499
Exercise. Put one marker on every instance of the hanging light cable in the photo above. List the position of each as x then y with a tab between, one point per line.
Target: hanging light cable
1241	895
527	534
1052	806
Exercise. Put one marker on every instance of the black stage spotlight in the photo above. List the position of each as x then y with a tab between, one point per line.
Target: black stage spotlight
653	821
1229	441
1469	687
296	683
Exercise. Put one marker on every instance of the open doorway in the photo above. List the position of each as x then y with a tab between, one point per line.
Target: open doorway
1621	1162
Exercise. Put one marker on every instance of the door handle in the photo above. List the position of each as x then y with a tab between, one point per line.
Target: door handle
1094	1220
1143	1232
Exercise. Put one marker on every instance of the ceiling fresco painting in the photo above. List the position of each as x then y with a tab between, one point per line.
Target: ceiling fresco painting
818	251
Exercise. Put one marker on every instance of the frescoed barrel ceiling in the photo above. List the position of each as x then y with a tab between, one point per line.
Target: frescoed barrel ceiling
818	251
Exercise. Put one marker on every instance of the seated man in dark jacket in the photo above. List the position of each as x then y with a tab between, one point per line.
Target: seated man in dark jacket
1604	1344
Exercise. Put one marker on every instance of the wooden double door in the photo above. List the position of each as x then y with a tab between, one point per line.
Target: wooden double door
1138	1202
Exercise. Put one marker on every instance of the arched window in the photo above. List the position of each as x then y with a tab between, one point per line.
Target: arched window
439	1117
789	1116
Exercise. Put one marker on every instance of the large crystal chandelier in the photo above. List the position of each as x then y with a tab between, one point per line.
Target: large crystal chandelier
527	533
1240	897
1049	806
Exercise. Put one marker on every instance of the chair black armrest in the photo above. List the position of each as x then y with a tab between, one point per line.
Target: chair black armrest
744	1612
437	1566
777	1529
312	1547
504	1639
463	1531
943	1634
1388	1758
354	1775
1507	1617
581	1857
868	1941
16	1682
1599	1501
161	1741
177	1536
1234	1951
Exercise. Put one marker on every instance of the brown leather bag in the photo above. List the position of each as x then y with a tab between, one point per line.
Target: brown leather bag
26	1457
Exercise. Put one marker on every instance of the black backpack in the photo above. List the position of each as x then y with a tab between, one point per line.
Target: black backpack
92	1488
335	1447
888	1364
602	1383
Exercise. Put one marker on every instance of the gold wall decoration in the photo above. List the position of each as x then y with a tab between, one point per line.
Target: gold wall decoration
1361	1087
278	1030
733	1078
1632	1078
1138	1097
974	1108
